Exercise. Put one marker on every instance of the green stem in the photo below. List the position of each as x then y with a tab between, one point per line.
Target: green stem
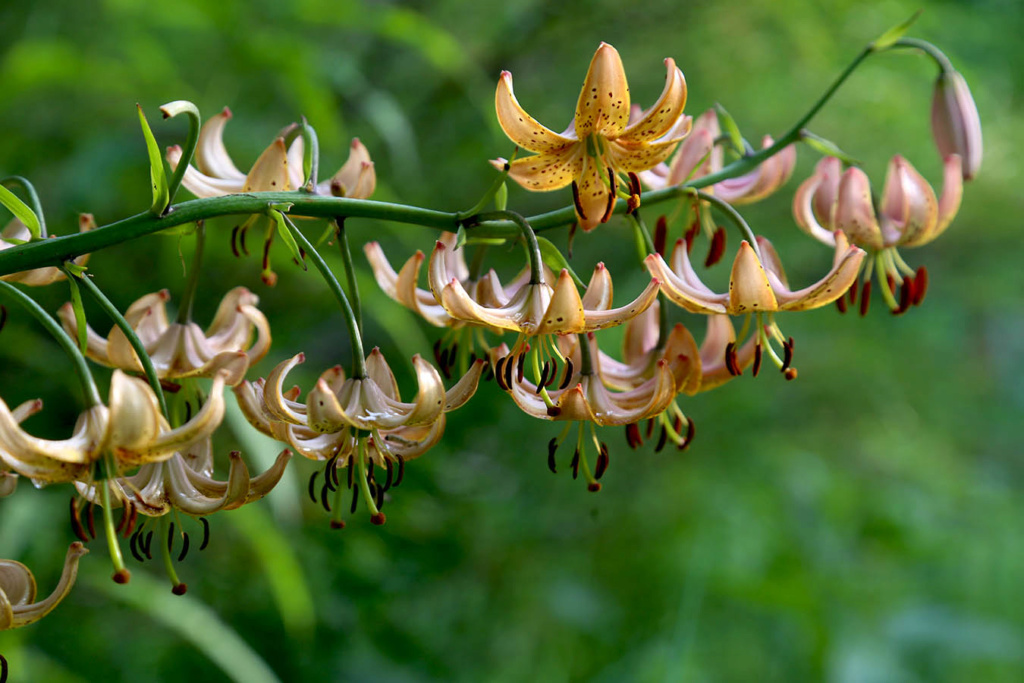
358	357
92	395
165	551
108	524
935	53
194	121
188	295
115	315
350	271
489	195
586	360
734	217
532	246
33	199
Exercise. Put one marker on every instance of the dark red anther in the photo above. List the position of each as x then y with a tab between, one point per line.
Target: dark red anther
717	248
865	298
311	488
206	533
401	470
325	500
520	366
757	359
660	234
610	208
841	304
602	462
787	354
437	352
170	537
148	547
650	428
3	669
389	466
633	435
852	291
691	235
379	497
133	546
499	376
506	374
125	514
266	252
890	281
76	522
234	241
369	470
241	240
568	374
575	464
634	184
90	519
552	447
730	360
543	376
184	547
906	296
920	285
577	202
662	440
133	517
691	429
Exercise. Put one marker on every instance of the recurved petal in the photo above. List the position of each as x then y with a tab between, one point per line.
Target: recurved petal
197	494
378	370
637	157
564	313
33	457
277	404
600	319
815	201
665	113
855	214
402	288
720	333
692	160
212	158
463	390
138	447
548	171
270	172
430	398
603	105
909	208
949	202
682	285
749	288
845	267
519	126
356	178
21	610
200	184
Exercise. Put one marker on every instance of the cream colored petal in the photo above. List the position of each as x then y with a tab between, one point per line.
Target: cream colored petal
135	419
31	456
684	361
603	106
14	614
407	442
96	346
564	313
196	494
720	333
692	160
463	390
547	172
749	288
356	178
296	159
622	408
200	184
402	288
270	172
598	295
845	267
430	398
816	197
855	214
274	395
949	202
665	113
519	126
768	177
684	290
641	334
598	320
324	411
212	158
378	370
263	483
134	450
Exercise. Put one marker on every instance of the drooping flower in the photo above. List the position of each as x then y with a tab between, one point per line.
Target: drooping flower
278	169
908	215
182	350
600	147
130	429
18	606
956	126
15	233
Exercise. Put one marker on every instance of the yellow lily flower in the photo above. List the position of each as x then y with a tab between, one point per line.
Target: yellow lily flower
601	147
18	606
183	350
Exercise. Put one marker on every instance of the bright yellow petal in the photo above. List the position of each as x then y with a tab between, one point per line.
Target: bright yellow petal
522	128
603	106
665	113
550	171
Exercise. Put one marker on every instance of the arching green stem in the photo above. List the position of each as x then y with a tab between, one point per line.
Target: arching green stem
734	217
350	271
92	395
113	546
33	199
115	315
351	323
529	237
188	295
935	53
171	110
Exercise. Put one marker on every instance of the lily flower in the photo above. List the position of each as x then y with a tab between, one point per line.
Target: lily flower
956	126
18	606
600	147
278	169
130	429
909	215
185	482
183	350
15	233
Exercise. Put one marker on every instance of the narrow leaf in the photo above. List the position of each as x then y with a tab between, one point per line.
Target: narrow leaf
79	309
728	124
157	175
895	33
284	228
828	148
555	260
21	210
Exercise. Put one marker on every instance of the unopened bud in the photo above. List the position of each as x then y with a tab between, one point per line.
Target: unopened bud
956	126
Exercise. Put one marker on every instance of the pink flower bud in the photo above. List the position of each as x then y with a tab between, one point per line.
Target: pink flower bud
956	126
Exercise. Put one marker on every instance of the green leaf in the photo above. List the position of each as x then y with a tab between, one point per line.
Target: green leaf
284	226
161	191
460	237
21	210
501	197
895	33
728	124
555	260
827	147
79	309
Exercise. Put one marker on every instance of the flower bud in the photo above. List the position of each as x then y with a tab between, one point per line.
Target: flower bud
956	126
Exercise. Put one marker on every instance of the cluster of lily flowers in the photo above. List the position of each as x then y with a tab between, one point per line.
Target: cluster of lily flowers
155	462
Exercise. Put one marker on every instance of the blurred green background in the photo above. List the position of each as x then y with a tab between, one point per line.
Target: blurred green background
863	523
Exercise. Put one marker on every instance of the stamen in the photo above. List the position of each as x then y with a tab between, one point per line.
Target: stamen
575	464
577	202
568	374
691	235
349	484
602	462
241	239
650	428
234	240
542	382
390	473
920	285
865	298
324	490
520	366
90	518
401	470
437	352
506	374
660	234
170	537
355	500
380	498
206	533
717	248
854	288
76	522
312	485
133	546
147	548
662	438
3	669
757	360
906	296
184	547
841	303
787	358
328	468
552	447
633	436
690	431
730	360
